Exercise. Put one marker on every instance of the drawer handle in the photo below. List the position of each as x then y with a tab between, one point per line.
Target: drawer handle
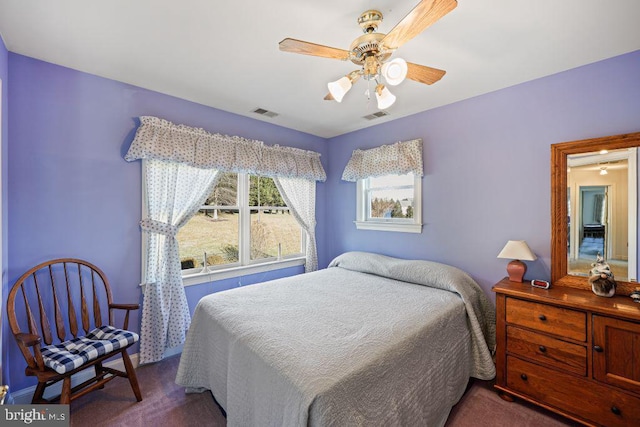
542	349
616	410
597	348
524	377
542	317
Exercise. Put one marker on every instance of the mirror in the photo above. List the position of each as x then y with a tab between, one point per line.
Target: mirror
593	213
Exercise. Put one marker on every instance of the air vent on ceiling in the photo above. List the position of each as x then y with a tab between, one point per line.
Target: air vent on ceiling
376	115
265	113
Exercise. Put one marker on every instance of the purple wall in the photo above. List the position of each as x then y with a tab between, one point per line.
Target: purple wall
487	166
72	194
4	143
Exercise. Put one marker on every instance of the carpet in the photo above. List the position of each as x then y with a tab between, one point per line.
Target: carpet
591	246
166	404
482	407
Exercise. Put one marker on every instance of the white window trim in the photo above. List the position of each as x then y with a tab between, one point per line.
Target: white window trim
398	225
212	274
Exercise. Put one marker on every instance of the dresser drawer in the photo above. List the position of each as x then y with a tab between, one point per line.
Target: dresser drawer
553	320
592	401
547	351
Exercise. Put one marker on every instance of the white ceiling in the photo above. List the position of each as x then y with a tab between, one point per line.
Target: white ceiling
225	54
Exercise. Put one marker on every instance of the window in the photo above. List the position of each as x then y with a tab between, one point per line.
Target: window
390	203
244	222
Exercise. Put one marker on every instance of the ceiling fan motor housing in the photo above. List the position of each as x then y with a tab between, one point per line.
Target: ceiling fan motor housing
368	45
367	50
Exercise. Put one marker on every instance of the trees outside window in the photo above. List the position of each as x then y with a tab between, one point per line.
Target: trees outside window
244	221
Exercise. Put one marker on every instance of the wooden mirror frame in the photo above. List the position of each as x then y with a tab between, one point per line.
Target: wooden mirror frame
559	229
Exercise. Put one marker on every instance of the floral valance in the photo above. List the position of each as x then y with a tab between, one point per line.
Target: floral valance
399	158
160	139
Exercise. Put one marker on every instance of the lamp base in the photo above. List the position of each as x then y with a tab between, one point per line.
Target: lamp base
516	270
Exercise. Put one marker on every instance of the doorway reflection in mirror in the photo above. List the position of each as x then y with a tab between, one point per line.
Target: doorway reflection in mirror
602	211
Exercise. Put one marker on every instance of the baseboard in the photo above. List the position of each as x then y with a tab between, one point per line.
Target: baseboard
172	351
23	397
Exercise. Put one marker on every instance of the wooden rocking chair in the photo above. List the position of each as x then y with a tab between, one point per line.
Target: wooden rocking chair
58	290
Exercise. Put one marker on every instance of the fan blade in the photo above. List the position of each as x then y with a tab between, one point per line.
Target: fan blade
423	74
306	48
329	97
423	15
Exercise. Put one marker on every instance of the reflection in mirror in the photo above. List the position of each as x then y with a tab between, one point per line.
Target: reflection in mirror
601	207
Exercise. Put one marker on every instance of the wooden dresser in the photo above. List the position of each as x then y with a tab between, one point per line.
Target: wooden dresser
569	351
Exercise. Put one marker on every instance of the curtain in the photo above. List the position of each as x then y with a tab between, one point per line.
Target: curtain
399	159
162	140
174	193
300	196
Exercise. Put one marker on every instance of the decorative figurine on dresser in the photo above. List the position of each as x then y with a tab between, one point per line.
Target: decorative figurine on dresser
601	278
566	348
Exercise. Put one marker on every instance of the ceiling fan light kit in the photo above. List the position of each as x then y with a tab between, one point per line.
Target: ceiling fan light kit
340	87
394	72
372	50
384	97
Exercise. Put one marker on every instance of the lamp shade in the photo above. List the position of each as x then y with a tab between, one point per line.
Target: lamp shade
395	71
384	97
339	88
517	249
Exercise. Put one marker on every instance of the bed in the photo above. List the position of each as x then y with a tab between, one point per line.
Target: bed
370	340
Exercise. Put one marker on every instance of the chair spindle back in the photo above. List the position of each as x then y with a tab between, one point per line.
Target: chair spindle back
52	292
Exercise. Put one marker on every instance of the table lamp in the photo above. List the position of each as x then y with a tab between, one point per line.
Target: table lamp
517	250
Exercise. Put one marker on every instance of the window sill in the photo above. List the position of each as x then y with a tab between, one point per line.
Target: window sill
388	226
227	273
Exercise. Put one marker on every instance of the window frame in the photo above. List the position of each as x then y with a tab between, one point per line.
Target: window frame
244	266
403	225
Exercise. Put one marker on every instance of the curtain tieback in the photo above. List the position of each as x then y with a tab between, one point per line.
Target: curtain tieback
158	227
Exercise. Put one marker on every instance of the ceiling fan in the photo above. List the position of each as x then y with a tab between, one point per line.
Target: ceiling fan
372	50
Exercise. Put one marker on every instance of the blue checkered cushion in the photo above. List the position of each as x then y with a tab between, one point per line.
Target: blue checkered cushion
72	354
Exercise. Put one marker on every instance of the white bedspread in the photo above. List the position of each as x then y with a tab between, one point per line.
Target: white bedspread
343	346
